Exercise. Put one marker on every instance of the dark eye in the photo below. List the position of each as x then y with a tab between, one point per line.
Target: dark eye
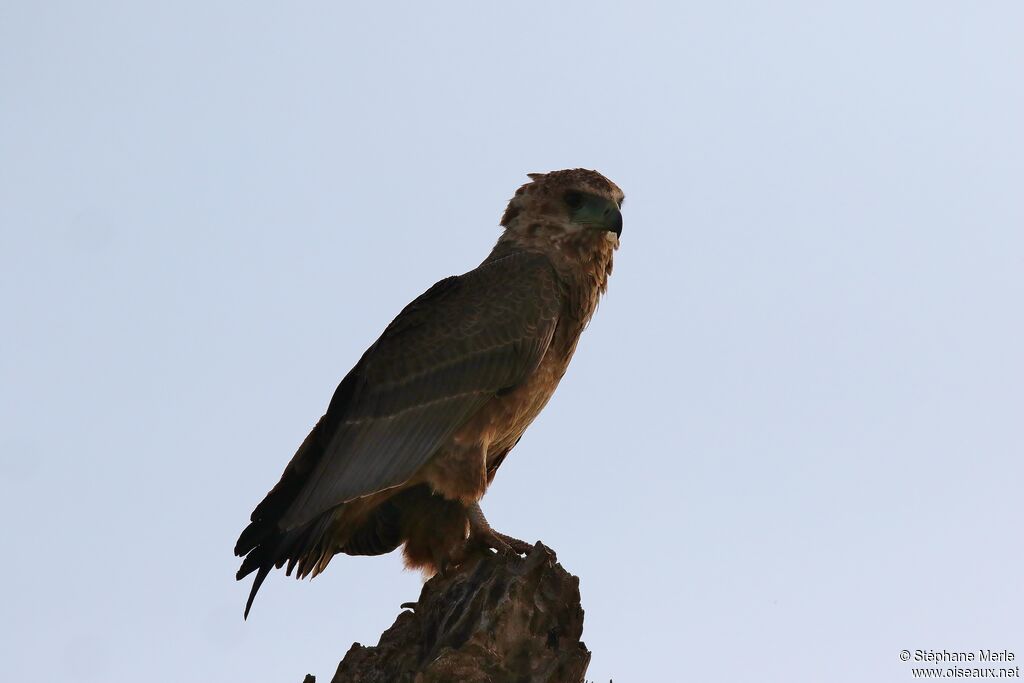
574	200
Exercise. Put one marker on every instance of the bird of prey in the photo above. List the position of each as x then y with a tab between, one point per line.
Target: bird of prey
417	429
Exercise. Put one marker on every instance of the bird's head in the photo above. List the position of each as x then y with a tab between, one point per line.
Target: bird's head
577	203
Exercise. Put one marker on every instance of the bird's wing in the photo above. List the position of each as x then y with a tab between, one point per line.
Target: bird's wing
439	361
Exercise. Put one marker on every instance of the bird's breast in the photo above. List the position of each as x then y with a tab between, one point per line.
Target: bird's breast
463	467
508	415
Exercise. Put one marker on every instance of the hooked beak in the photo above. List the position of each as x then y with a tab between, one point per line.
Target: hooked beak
615	220
601	213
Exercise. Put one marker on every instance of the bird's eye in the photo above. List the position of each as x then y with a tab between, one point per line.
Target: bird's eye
574	200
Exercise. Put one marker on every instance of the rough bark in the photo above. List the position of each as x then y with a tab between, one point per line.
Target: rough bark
496	618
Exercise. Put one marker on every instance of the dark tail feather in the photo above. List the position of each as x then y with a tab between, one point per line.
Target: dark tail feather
265	548
310	547
251	537
260	561
260	576
262	544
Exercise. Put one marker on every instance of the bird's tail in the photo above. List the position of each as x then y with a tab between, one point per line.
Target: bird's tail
264	544
307	549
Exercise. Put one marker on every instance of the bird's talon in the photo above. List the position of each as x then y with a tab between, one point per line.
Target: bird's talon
504	545
514	544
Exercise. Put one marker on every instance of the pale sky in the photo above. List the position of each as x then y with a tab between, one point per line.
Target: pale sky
789	446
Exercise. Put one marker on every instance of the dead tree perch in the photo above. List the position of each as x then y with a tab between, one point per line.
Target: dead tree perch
495	619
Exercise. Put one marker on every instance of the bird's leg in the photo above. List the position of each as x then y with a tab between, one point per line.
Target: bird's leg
481	531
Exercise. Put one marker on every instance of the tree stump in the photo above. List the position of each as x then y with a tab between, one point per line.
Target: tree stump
495	618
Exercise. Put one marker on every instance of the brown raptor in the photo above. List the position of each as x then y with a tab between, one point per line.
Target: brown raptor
417	429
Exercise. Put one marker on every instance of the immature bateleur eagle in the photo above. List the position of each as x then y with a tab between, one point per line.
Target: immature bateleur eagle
417	429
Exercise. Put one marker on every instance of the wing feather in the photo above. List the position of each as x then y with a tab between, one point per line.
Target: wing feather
446	354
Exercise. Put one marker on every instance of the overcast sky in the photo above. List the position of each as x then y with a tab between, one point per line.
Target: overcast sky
789	446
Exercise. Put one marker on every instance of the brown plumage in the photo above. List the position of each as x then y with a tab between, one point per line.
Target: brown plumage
417	429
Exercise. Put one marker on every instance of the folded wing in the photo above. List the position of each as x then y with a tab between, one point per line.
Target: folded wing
445	355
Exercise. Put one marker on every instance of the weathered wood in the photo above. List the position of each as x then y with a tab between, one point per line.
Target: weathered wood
495	618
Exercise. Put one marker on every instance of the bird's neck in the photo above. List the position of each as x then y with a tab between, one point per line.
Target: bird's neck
581	256
582	259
